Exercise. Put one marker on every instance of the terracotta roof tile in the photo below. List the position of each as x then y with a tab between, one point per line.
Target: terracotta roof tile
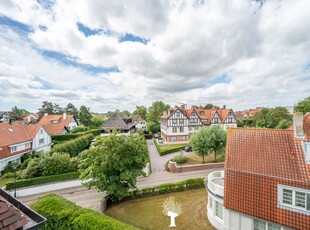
57	128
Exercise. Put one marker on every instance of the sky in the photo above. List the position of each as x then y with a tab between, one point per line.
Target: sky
117	54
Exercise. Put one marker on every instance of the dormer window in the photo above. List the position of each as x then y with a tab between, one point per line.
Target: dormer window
306	148
201	113
54	121
177	114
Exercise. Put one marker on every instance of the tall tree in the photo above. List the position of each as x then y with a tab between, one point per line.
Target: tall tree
208	140
303	106
71	109
47	107
140	112
96	121
17	114
85	116
57	109
270	118
127	113
208	106
113	164
155	112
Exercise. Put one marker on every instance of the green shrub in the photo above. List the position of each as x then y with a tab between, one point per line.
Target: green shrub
62	214
167	188
50	164
80	129
74	147
71	136
41	180
179	159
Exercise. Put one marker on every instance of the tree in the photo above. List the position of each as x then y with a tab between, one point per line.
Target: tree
270	118
208	106
303	106
47	107
153	127
154	114
71	109
57	109
17	114
113	164
96	121
140	112
85	116
283	124
208	140
127	113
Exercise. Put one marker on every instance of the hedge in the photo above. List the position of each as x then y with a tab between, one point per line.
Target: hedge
74	147
167	151
41	180
70	136
62	214
167	188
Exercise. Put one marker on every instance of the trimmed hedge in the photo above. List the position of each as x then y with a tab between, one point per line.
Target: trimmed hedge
70	136
41	180
62	214
167	188
167	151
74	147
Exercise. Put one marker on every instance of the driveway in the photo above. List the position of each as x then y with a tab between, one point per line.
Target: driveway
158	162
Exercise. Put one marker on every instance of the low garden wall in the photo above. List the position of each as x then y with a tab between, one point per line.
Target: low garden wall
174	168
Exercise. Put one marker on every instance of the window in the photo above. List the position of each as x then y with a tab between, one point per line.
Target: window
190	128
216	120
264	225
41	131
183	138
202	113
219	209
177	114
181	129
210	202
174	121
13	149
181	121
41	141
173	138
294	198
27	145
229	120
174	129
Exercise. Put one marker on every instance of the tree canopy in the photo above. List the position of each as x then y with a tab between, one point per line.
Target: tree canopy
154	114
208	140
96	121
303	106
49	108
71	109
85	116
140	112
17	114
114	163
270	118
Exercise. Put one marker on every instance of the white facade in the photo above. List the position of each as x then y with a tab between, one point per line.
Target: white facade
72	125
42	141
227	219
141	124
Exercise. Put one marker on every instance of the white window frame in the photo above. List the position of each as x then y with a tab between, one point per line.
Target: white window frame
183	138
177	114
174	121
41	143
173	138
174	129
217	203
181	129
27	145
13	149
293	207
265	223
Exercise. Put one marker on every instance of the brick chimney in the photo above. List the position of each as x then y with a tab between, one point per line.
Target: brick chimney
45	114
64	116
298	124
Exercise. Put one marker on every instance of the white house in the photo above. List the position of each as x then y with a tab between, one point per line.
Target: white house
18	139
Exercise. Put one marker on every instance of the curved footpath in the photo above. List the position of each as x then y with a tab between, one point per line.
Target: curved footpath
90	198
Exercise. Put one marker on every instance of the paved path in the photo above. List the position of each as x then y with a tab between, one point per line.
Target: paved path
91	198
158	162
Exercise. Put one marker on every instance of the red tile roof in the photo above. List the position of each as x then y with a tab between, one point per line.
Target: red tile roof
13	134
257	160
52	128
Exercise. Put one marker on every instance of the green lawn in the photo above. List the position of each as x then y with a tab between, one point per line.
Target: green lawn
193	159
146	213
3	181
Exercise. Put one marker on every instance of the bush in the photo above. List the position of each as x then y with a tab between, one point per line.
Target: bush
80	129
71	136
167	188
74	147
50	164
179	159
62	214
41	180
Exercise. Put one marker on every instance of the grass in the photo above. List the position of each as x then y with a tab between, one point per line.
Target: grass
193	159
146	213
3	181
168	148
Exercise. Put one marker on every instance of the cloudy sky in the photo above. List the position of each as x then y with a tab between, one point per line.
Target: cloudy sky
117	54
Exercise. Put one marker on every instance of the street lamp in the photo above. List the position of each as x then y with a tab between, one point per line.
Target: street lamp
14	168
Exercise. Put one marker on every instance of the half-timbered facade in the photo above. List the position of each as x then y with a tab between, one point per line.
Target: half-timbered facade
179	124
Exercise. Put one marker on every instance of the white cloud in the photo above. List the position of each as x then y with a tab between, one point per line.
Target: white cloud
262	51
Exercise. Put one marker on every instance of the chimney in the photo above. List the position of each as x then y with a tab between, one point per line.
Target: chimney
28	118
298	124
224	106
45	114
183	106
64	116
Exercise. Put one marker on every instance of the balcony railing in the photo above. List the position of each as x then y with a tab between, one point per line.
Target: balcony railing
216	183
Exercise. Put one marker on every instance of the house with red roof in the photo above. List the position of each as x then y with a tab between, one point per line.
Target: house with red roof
177	125
58	124
18	139
266	181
